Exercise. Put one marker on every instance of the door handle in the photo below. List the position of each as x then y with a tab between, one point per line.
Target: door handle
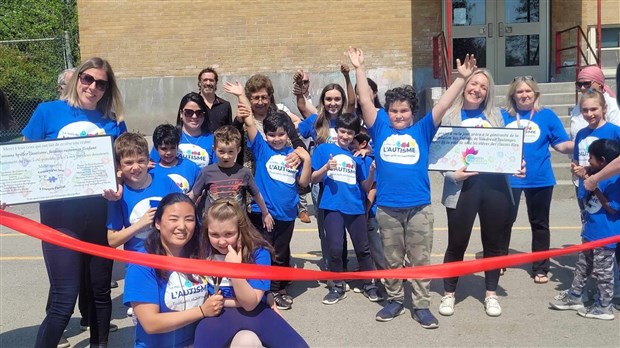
490	29
508	30
500	29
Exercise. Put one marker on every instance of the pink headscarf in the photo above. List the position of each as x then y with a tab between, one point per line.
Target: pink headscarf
594	73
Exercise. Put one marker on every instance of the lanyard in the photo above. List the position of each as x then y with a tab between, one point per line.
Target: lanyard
528	121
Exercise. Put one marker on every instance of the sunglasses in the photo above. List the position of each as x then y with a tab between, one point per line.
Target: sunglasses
523	78
88	80
583	84
306	82
190	113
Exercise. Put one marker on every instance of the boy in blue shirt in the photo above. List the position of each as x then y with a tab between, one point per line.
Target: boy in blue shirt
182	171
278	183
601	220
404	208
343	203
130	219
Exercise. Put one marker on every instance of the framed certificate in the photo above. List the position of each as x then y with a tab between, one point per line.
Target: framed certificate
485	150
39	171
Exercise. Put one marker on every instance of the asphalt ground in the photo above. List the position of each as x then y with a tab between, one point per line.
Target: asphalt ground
526	320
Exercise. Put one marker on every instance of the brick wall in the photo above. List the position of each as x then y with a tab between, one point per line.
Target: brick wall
178	38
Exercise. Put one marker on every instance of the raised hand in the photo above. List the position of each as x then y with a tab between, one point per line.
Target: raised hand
233	88
243	111
356	56
467	67
344	69
298	77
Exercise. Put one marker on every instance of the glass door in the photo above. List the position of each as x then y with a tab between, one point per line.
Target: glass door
508	37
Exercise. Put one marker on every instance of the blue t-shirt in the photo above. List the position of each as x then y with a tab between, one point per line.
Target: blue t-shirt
276	180
341	189
196	149
306	129
57	119
184	174
401	157
598	223
474	118
543	130
587	136
261	257
177	294
134	204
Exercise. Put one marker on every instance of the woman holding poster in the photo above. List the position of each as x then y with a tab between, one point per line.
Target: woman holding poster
467	194
542	129
91	105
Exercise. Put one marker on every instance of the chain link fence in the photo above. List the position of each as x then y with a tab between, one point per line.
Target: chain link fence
28	73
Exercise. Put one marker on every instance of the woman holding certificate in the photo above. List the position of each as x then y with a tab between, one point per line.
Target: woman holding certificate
542	129
467	194
92	105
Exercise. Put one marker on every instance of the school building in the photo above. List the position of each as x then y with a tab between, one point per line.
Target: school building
158	47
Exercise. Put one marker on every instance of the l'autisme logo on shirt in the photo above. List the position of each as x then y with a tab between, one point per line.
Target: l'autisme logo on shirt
279	170
194	153
345	170
400	148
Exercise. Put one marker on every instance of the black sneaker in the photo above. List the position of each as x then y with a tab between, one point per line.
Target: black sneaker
85	327
282	301
390	311
334	295
426	319
372	293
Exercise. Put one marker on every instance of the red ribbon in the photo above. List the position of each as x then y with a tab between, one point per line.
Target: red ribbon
251	271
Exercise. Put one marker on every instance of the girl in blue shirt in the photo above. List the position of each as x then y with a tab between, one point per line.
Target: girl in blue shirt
229	236
601	220
542	128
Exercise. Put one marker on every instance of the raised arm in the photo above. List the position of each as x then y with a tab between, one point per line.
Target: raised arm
236	89
245	113
350	107
369	111
305	107
447	99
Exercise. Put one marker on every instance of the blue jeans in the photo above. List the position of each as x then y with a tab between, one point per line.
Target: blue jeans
83	219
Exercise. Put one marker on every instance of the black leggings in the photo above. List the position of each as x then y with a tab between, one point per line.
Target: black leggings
538	202
84	219
488	196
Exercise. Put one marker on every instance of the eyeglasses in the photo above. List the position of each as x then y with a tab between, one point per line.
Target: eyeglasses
190	113
259	98
523	78
88	80
306	82
583	84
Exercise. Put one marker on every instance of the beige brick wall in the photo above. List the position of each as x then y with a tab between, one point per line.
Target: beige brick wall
178	38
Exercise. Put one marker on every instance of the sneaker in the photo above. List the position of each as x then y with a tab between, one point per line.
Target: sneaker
113	327
597	312
390	311
426	319
304	217
282	301
566	301
347	287
334	295
63	343
372	293
447	305
134	319
492	307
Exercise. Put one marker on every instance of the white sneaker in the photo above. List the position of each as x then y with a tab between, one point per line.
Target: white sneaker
447	305
492	307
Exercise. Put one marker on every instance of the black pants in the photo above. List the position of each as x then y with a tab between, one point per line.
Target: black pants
336	223
488	196
538	202
280	238
84	219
